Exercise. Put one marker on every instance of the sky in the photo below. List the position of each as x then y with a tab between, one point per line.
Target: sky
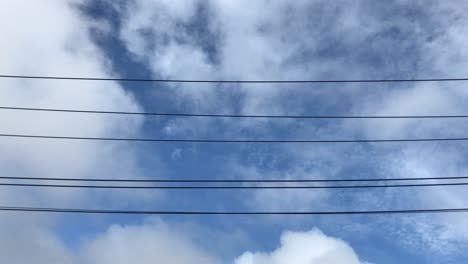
233	40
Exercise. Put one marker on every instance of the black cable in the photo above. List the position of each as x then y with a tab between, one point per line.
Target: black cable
232	115
230	81
233	180
233	141
100	211
233	187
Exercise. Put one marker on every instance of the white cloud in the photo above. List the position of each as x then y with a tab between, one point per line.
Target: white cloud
269	200
37	46
51	38
322	40
151	242
443	55
312	247
155	240
262	41
26	239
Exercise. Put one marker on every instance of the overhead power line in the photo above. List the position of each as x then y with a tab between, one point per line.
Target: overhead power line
233	140
134	212
234	116
232	187
70	78
232	180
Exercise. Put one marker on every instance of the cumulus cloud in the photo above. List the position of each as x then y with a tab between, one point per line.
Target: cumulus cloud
31	240
156	241
151	242
312	247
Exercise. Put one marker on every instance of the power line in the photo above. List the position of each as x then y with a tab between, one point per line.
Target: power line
233	141
232	187
234	116
101	211
229	81
233	180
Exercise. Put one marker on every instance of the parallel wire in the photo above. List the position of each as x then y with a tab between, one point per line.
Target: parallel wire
231	187
233	141
70	78
134	212
232	115
233	180
96	211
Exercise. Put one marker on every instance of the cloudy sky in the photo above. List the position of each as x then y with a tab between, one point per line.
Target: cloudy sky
233	40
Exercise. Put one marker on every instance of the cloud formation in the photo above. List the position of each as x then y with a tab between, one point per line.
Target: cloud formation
320	40
151	242
37	46
311	247
237	40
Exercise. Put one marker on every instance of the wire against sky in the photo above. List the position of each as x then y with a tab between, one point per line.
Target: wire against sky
232	187
232	115
232	180
100	211
232	141
70	78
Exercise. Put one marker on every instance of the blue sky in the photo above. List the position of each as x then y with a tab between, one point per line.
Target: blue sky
224	39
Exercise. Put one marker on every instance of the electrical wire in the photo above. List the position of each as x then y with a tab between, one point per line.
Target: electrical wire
233	180
134	212
233	141
232	187
70	78
232	115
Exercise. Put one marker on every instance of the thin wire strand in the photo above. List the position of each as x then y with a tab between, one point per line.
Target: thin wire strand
134	212
232	115
229	81
232	141
232	180
230	187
